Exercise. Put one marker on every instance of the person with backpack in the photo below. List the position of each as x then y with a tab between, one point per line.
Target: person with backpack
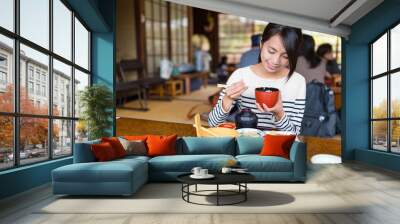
275	68
309	64
320	117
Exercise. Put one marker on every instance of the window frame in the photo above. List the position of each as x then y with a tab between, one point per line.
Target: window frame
388	74
16	115
164	37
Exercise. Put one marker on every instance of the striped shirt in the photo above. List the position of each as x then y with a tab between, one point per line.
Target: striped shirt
293	92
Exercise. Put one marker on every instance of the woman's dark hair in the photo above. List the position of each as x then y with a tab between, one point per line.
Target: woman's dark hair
308	51
324	49
224	60
291	38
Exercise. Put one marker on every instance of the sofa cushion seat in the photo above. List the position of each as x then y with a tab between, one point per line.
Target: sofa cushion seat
257	163
112	171
184	163
118	177
131	158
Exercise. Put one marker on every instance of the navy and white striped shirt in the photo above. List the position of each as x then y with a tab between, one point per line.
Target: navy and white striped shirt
293	93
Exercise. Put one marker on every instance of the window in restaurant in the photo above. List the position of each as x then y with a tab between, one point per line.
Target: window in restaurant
160	30
32	131
234	36
179	33
156	34
385	97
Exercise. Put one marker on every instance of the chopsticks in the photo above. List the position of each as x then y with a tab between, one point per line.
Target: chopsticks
222	85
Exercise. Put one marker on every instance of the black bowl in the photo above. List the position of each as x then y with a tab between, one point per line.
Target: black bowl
266	89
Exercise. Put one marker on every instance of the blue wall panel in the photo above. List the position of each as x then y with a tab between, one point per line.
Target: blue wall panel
24	178
103	53
356	83
356	102
103	64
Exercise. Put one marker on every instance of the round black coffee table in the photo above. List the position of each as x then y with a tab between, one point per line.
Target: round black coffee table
238	179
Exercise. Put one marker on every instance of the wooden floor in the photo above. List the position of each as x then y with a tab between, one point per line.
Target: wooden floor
377	188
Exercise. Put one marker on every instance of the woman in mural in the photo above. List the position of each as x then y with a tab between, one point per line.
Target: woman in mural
276	69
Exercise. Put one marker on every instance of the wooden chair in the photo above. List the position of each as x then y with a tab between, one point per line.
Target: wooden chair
126	89
139	87
212	132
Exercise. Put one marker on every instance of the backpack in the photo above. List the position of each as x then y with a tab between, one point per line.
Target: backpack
320	118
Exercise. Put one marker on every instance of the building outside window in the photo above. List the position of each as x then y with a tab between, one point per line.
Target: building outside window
37	75
385	96
38	89
44	77
3	72
30	87
30	72
43	90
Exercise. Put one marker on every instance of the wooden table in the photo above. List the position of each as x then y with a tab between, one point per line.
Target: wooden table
187	77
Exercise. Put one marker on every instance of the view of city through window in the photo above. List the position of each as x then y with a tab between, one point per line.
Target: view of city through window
41	83
385	79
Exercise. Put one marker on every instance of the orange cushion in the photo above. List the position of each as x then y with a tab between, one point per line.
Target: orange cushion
135	137
103	152
116	145
161	145
277	145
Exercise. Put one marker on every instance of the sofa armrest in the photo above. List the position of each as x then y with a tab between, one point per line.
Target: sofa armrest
83	152
298	155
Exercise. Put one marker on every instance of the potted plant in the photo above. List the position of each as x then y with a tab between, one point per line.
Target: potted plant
96	104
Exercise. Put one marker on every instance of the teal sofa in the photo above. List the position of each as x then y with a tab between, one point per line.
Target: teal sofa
125	176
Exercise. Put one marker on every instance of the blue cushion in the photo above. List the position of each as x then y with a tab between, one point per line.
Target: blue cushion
257	163
206	145
83	153
185	163
249	145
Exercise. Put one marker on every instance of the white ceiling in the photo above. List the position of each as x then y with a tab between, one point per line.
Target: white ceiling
314	15
321	9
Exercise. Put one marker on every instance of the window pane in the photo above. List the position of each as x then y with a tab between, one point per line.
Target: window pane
395	136
395	95
62	29
379	55
150	65
35	21
147	9
7	14
81	81
34	79
379	135
62	89
6	74
62	138
6	142
81	45
33	139
395	47
379	98
81	132
156	12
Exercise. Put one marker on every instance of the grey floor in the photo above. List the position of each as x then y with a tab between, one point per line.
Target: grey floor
377	188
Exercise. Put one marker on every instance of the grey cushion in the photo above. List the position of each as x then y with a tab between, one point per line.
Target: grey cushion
134	147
